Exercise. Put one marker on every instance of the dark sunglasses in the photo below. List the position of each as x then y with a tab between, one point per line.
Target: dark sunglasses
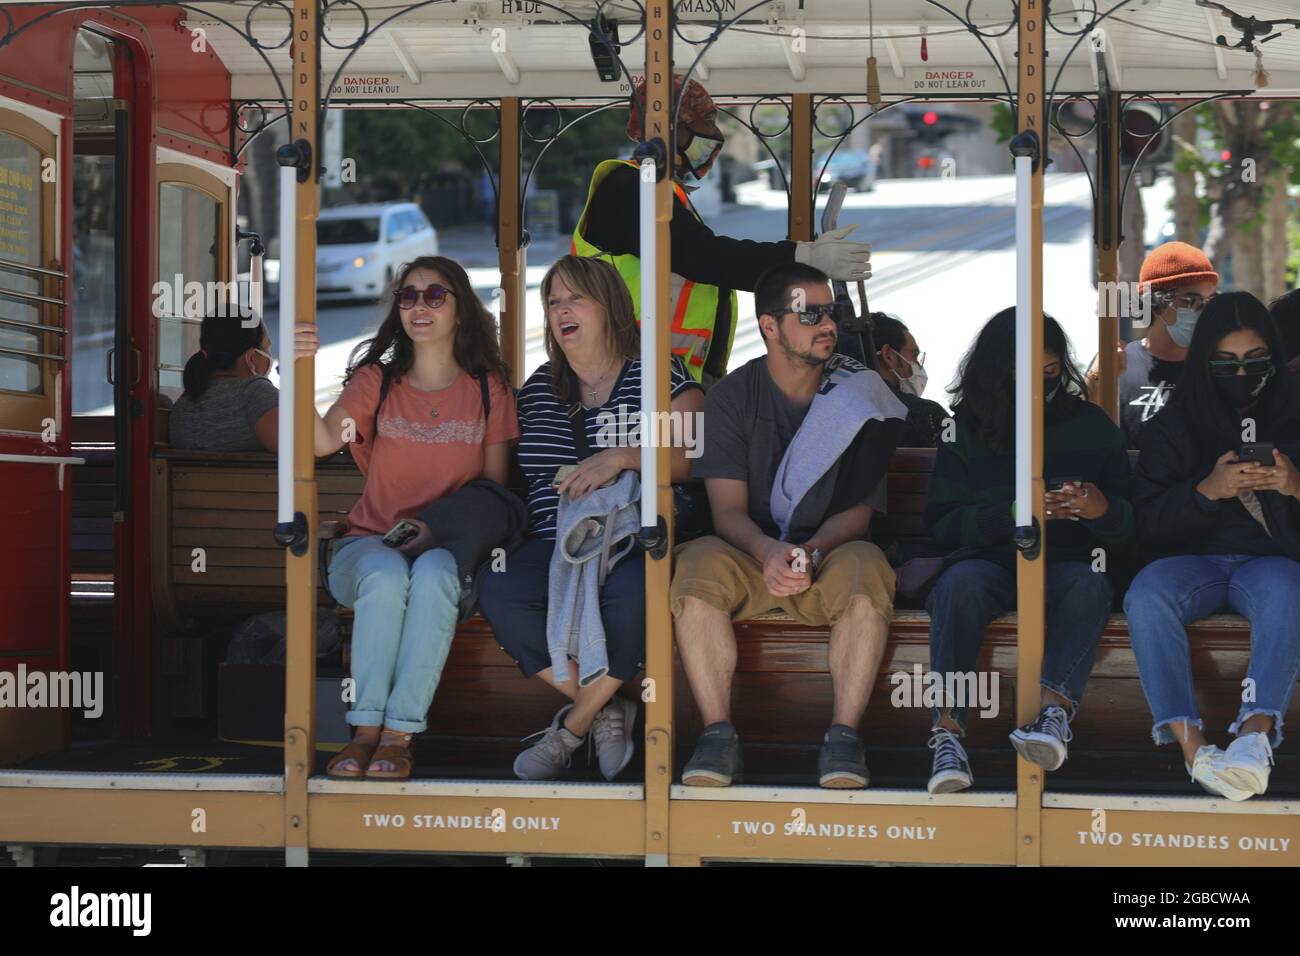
813	314
1226	368
408	295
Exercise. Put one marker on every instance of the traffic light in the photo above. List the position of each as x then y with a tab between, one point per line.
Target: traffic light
931	127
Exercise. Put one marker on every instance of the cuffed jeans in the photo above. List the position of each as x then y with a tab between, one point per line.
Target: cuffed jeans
971	593
514	602
405	620
1171	593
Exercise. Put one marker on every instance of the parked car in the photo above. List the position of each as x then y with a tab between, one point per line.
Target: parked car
850	166
359	248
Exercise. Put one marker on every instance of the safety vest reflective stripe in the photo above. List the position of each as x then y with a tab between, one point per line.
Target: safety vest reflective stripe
694	305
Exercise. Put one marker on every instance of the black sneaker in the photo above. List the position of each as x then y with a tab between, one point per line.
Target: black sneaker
842	762
716	761
1043	742
950	769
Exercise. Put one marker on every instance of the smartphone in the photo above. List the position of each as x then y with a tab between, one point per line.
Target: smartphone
1258	452
561	473
1056	484
400	533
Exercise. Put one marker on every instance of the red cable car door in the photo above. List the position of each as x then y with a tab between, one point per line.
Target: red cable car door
34	444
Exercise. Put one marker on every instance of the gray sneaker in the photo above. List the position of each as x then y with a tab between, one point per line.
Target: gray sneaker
545	759
842	762
611	733
716	762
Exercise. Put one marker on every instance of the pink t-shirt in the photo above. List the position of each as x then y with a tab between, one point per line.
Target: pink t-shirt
430	443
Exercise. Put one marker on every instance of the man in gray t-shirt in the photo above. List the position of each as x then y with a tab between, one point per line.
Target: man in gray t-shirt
751	423
225	416
825	575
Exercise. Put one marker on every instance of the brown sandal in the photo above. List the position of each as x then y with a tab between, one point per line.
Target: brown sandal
361	753
399	755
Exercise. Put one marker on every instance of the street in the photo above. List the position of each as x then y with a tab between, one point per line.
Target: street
943	260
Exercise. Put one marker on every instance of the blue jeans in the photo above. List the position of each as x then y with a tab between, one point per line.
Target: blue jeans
971	593
405	619
514	603
1173	592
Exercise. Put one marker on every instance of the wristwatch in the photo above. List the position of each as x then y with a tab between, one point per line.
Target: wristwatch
815	561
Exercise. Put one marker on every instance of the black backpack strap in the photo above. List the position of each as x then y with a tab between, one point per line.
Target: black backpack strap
487	398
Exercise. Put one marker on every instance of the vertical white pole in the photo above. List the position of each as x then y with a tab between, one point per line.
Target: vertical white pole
288	309
255	291
649	354
1024	510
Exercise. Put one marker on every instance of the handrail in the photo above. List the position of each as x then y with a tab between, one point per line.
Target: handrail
33	297
288	309
11	266
649	354
33	326
34	355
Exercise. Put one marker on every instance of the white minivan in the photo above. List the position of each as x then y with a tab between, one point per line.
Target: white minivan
359	248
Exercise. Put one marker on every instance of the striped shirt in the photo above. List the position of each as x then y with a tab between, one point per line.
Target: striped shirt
546	435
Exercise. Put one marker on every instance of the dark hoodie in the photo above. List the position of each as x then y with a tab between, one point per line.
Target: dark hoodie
1174	518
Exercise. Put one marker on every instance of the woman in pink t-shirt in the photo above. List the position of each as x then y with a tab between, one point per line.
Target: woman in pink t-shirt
423	437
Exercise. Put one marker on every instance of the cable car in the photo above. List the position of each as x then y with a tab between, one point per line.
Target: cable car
123	135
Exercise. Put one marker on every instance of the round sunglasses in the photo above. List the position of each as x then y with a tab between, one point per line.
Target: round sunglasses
434	296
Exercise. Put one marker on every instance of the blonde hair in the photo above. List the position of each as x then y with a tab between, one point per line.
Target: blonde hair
600	282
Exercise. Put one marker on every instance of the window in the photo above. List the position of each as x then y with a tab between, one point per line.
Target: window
31	306
343	232
193	256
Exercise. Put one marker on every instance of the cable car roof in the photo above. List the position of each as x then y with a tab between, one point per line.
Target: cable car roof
463	51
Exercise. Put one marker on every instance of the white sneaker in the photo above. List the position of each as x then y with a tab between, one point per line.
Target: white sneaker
1206	769
1044	741
1246	762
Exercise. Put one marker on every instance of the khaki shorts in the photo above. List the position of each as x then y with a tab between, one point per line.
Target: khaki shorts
730	580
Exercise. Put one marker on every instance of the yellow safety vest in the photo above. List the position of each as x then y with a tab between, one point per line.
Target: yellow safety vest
694	305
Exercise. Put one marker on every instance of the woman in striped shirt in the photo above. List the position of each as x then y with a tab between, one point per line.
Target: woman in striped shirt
577	410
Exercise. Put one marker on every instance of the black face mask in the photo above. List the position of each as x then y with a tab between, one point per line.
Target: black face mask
1241	391
1051	386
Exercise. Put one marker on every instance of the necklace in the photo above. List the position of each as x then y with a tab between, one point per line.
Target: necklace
593	391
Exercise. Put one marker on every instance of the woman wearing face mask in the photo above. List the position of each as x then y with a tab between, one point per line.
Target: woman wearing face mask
421	426
969	506
902	366
1176	279
1229	531
228	405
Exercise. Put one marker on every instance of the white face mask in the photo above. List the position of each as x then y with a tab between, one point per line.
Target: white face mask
916	384
270	362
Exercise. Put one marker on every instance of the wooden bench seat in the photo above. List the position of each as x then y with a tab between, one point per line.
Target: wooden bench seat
782	698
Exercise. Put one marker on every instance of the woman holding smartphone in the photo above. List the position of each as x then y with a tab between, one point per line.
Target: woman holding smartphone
413	409
1218	495
970	506
569	413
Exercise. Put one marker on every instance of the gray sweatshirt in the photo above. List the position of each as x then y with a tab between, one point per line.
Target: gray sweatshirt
591	535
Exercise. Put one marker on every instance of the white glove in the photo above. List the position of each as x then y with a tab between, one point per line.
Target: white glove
836	256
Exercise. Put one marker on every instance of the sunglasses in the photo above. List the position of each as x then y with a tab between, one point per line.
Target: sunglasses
1226	368
813	314
434	296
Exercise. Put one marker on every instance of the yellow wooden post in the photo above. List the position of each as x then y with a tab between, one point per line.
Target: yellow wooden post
801	168
1108	218
1030	574
301	570
512	256
658	573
